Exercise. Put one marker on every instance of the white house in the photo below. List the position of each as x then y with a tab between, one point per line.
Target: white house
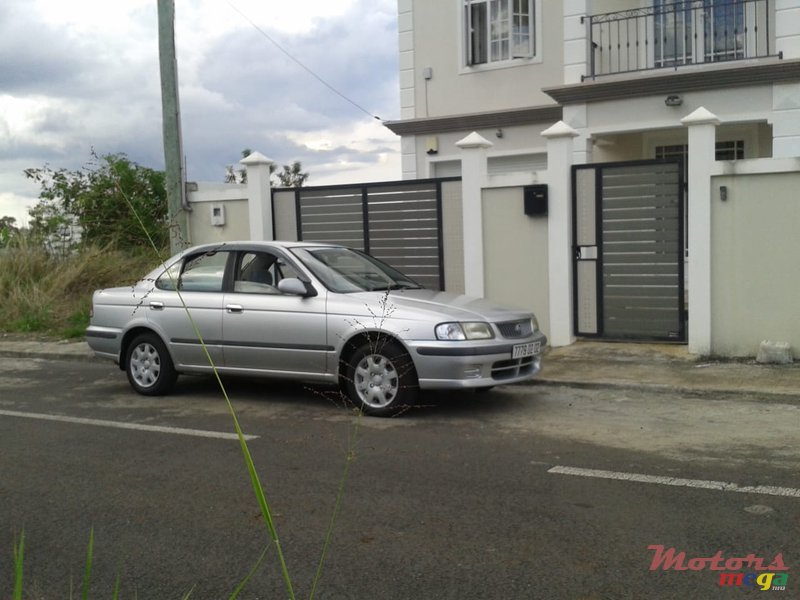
594	99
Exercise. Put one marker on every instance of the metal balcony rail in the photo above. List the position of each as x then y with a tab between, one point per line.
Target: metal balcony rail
671	35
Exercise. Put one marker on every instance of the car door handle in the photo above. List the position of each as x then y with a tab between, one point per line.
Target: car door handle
157	305
234	308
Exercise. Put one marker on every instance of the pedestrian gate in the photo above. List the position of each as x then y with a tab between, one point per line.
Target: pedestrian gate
628	230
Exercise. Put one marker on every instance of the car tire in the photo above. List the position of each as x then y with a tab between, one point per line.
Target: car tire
149	366
381	380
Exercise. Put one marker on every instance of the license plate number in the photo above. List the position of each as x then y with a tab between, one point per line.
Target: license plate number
523	350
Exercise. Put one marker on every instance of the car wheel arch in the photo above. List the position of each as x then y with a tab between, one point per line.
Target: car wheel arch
131	335
354	342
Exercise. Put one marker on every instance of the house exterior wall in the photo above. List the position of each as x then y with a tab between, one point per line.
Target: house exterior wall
515	253
754	283
515	141
455	88
649	113
432	41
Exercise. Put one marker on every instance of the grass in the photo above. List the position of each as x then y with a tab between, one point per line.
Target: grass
51	295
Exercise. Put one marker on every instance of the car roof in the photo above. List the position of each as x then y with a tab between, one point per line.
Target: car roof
256	244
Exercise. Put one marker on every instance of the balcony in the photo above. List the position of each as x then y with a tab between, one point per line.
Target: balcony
674	35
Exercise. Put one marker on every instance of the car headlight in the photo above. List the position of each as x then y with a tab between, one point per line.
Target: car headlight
464	331
534	324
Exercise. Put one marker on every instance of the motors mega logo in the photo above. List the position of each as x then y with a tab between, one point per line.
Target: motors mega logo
731	569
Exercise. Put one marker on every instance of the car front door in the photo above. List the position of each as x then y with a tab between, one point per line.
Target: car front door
268	331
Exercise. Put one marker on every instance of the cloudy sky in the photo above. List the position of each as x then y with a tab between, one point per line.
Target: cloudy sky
79	75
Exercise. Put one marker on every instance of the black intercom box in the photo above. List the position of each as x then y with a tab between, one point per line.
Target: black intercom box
535	199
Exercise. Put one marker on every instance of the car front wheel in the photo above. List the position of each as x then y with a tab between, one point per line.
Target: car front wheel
149	366
381	379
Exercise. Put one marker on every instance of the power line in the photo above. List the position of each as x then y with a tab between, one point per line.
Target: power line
299	63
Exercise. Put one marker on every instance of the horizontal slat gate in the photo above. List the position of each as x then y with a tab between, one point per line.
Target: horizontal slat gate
641	253
629	251
398	223
335	216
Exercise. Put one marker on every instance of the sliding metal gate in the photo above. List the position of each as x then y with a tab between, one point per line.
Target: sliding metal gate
628	269
397	222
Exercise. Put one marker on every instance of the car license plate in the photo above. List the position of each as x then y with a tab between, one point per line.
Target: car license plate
523	350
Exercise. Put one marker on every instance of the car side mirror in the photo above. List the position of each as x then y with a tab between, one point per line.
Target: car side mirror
295	287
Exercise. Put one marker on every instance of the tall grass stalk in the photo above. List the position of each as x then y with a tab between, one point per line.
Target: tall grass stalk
247	578
19	553
117	584
258	488
352	442
87	570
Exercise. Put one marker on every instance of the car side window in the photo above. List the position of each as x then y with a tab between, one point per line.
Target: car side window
284	270
260	272
255	274
203	273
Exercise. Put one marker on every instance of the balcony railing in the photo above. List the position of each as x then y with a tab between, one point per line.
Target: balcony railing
671	35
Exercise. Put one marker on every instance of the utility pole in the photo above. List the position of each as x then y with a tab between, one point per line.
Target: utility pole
170	111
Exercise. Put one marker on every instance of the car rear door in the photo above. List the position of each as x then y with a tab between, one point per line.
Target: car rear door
200	281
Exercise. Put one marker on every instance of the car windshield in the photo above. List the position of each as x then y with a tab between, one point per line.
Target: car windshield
346	271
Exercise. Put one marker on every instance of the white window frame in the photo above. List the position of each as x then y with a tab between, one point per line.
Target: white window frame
531	55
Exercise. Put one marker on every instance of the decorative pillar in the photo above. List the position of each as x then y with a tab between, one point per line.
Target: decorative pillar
473	180
702	126
259	195
559	231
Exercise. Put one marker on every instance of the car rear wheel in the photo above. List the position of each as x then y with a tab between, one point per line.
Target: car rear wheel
149	366
381	379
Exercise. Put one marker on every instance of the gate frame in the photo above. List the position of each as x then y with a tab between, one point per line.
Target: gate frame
683	312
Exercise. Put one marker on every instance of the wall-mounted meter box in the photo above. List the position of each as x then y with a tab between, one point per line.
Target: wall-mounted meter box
218	216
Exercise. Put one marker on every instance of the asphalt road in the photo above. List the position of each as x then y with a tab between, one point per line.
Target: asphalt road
470	496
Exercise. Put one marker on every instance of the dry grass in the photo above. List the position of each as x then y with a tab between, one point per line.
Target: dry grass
51	294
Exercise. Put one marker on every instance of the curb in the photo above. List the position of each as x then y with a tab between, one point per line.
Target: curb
77	355
775	396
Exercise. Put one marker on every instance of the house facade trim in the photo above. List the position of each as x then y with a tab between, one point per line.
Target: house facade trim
681	81
471	122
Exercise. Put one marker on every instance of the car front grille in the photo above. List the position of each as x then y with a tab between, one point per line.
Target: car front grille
515	329
514	367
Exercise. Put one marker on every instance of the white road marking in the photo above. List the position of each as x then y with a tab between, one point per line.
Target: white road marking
722	486
119	425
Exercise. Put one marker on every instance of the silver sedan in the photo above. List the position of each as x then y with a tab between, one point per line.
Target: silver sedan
312	312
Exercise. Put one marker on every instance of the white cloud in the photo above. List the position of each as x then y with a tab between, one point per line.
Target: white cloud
15	206
85	75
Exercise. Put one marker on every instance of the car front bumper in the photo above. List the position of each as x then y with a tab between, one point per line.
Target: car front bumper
461	365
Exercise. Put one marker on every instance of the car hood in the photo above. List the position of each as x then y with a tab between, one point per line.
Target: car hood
445	306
